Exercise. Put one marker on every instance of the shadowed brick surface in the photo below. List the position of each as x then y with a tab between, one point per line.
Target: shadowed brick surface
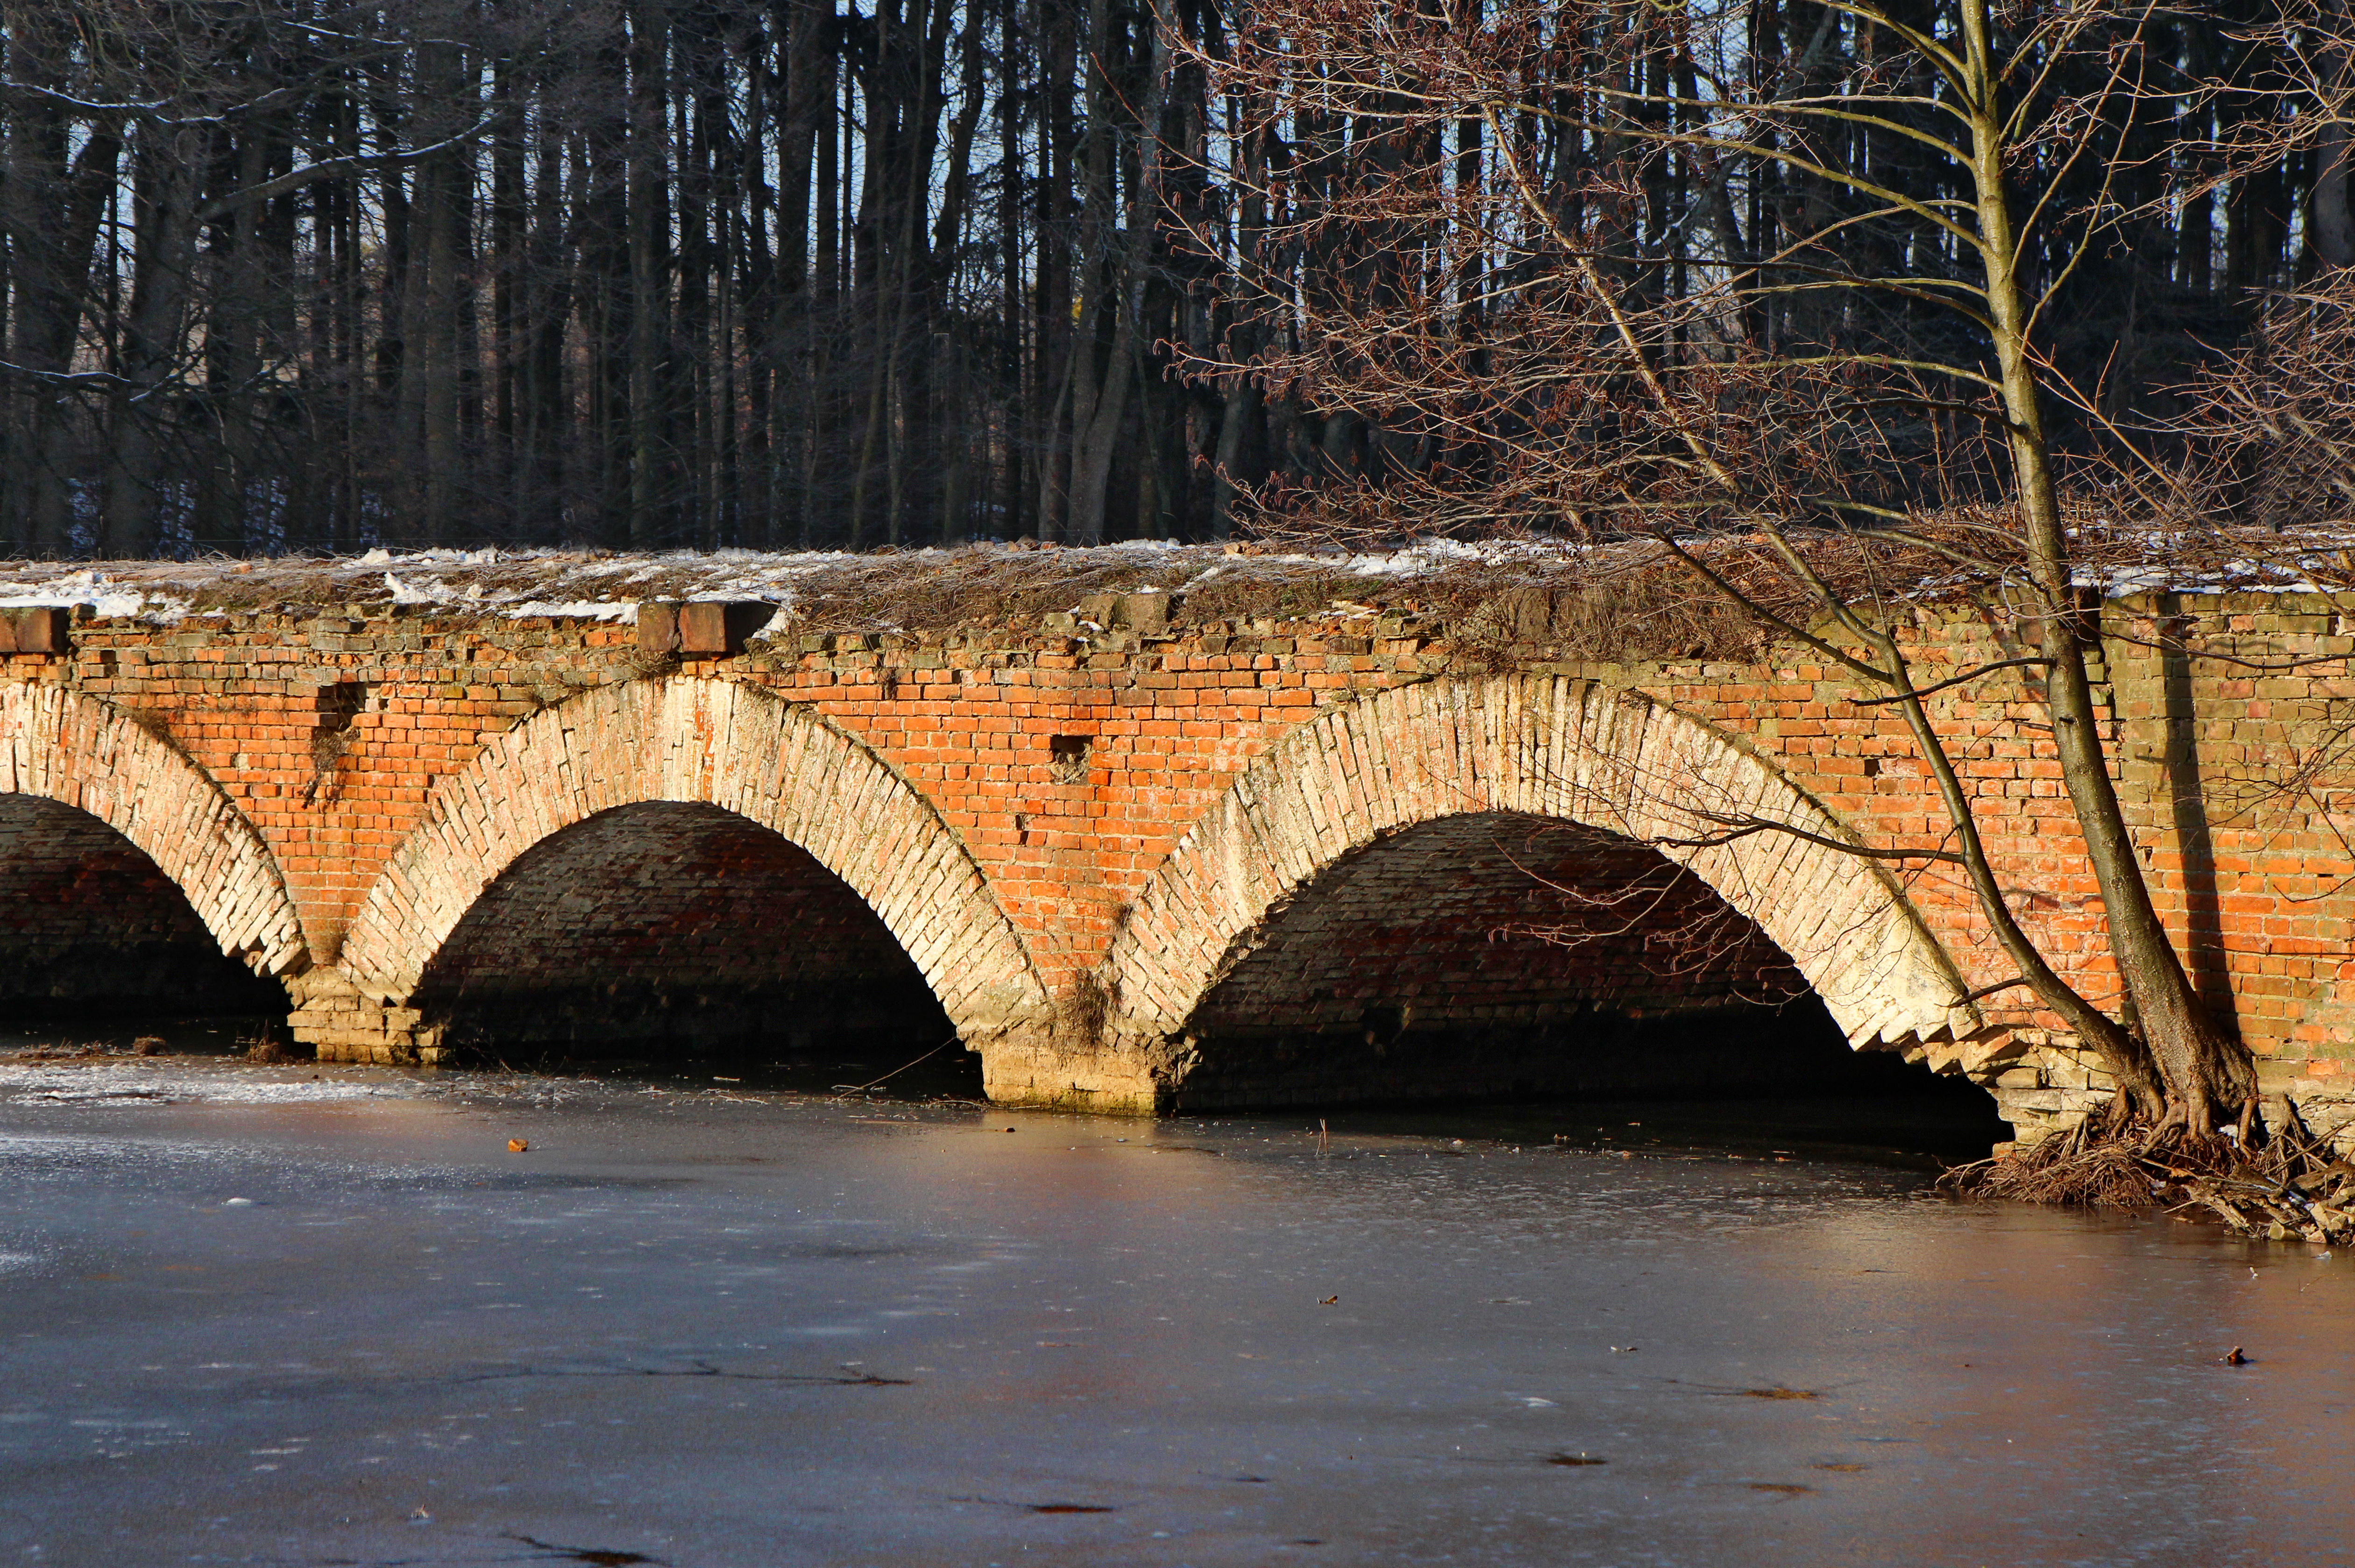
670	923
86	920
1484	954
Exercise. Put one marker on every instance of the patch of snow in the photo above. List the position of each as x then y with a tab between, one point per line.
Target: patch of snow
2235	576
90	587
404	593
1433	555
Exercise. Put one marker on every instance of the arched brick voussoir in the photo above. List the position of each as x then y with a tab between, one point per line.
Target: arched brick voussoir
1543	746
717	743
81	752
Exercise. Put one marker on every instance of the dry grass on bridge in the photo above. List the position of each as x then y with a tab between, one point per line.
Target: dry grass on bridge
1622	600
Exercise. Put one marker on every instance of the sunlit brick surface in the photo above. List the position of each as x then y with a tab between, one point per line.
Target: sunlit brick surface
1073	838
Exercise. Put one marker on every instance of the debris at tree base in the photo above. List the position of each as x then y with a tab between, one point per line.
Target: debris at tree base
2281	1182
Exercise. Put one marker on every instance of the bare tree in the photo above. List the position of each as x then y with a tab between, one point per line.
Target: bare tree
1827	360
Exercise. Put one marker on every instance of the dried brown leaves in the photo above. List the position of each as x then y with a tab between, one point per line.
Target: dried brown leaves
2283	1184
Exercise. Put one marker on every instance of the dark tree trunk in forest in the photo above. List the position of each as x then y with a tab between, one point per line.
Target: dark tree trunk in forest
650	275
52	215
1118	262
164	261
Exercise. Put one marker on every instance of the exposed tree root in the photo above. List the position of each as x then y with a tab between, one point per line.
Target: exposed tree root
2283	1182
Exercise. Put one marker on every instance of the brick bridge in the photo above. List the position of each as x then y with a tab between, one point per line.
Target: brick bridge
1136	860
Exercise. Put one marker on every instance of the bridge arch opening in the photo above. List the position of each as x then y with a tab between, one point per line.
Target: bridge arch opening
651	771
1461	872
1504	955
92	929
671	932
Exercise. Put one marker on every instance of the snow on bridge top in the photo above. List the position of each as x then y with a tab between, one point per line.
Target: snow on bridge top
831	590
1631	599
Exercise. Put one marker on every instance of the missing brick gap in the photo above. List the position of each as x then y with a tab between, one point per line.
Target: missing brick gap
1067	757
337	704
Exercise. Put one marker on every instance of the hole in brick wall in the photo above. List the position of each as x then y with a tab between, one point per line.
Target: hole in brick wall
672	934
1494	956
1067	757
339	705
91	927
340	701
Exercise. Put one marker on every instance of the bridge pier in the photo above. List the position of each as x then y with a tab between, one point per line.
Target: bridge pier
2044	1082
2048	1087
1069	1061
1041	1076
343	1024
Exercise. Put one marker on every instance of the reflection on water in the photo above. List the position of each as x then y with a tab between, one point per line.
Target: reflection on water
1844	1105
719	1324
1875	1107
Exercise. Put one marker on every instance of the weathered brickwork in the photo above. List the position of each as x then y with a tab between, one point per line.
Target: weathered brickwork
1078	839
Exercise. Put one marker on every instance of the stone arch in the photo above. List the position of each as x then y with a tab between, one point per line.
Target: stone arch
1540	746
722	743
64	746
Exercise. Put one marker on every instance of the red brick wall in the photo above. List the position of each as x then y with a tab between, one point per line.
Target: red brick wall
1072	767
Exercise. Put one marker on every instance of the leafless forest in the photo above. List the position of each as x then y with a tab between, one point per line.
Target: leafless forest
296	274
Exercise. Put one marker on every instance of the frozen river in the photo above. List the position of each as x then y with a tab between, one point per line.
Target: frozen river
256	1315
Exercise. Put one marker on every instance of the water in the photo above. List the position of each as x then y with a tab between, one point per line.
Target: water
702	1326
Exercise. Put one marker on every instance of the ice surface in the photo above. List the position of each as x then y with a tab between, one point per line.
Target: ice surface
752	1330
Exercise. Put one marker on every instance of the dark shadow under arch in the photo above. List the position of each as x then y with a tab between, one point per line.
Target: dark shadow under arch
92	928
670	931
1500	955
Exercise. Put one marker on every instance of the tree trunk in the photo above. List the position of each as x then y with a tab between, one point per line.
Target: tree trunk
1055	352
53	242
165	255
649	247
2204	1069
1117	276
2333	225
